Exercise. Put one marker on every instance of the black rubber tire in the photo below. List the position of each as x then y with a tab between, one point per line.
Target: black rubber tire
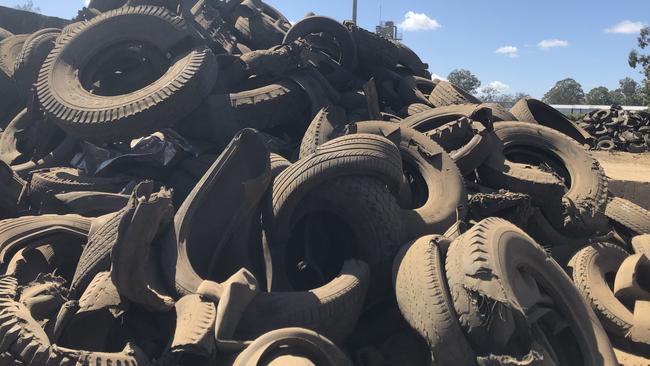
347	177
257	30
10	49
96	255
409	59
19	233
446	94
472	155
321	129
4	34
425	302
13	189
453	135
331	310
309	347
499	114
319	24
23	164
52	181
534	111
224	198
492	268
88	204
414	109
409	93
628	214
31	58
590	268
582	209
373	49
446	198
114	118
438	117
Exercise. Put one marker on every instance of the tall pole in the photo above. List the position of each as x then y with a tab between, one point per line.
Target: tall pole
354	11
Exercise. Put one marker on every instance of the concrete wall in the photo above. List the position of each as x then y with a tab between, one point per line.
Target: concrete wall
23	22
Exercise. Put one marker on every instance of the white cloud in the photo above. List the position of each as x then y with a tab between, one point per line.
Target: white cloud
626	27
436	76
87	2
509	51
552	43
501	87
414	22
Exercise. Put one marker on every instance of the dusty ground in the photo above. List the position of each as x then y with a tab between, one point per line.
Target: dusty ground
629	175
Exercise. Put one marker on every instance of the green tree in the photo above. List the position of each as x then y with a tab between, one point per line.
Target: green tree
28	6
490	95
567	91
599	96
631	91
464	79
642	61
617	97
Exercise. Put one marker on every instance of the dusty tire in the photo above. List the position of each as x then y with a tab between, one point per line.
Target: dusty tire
581	211
331	310
10	49
499	264
425	302
628	214
590	270
64	87
535	111
438	191
31	58
23	163
472	155
321	128
319	24
453	135
63	180
226	195
409	59
368	228
373	49
446	94
309	347
4	34
438	117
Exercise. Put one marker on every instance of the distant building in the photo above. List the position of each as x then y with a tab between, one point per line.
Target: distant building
388	29
584	109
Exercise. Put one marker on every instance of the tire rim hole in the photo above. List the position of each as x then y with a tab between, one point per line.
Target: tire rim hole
419	192
124	68
320	242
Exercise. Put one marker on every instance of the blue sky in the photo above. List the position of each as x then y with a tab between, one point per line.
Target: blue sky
520	46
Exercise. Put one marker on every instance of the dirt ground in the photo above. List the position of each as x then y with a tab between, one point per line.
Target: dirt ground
634	167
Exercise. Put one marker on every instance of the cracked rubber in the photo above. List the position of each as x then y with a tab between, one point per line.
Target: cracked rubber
485	272
447	94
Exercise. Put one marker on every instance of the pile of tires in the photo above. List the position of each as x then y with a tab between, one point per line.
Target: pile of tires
615	129
212	185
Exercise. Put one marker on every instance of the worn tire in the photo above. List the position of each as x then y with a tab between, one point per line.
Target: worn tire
321	129
438	117
581	210
331	310
63	180
372	48
66	99
628	214
409	59
26	231
492	267
534	111
425	302
4	34
319	24
446	94
31	58
453	135
438	188
10	49
278	346
590	268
